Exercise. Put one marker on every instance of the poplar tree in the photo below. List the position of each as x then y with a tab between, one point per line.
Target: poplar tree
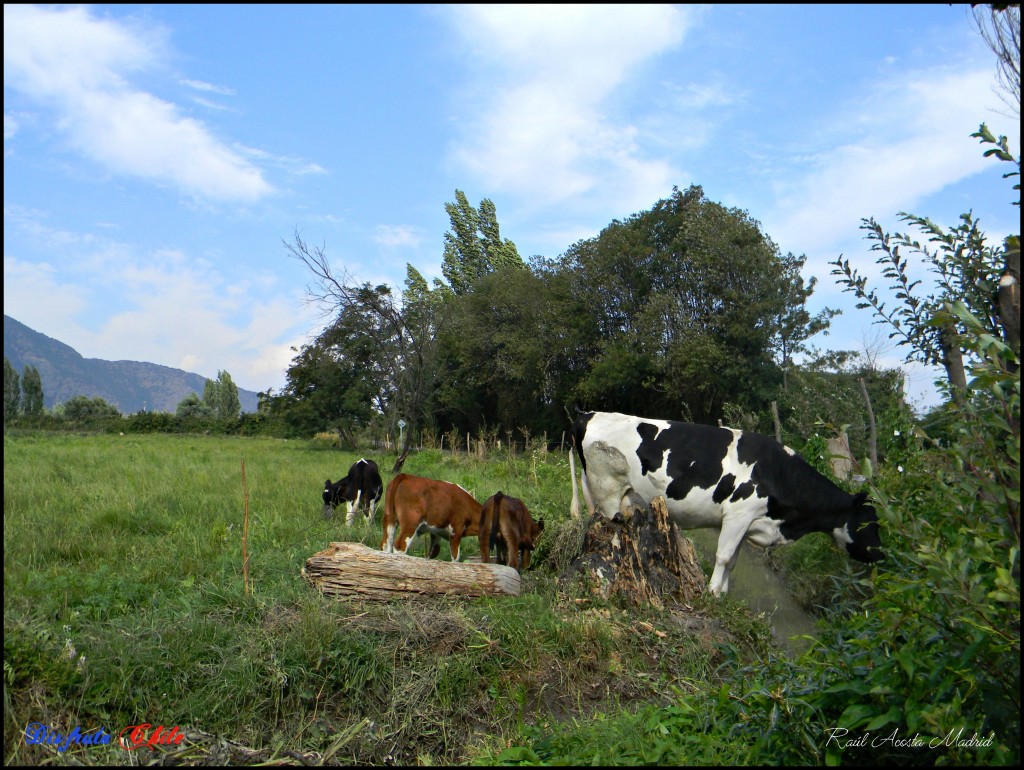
12	391
228	403
474	246
32	392
221	396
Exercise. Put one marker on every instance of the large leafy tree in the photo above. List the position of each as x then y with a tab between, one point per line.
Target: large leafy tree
85	408
500	349
691	305
332	382
193	406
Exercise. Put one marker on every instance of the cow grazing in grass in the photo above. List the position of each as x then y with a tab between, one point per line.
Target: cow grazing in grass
414	505
744	484
507	526
361	488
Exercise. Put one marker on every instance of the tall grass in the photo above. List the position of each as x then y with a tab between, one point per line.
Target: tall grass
124	604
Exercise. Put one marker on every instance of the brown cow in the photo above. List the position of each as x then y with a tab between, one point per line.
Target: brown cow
414	505
513	532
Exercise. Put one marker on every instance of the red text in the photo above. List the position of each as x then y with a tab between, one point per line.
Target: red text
136	736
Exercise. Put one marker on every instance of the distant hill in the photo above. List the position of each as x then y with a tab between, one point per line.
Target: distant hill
131	386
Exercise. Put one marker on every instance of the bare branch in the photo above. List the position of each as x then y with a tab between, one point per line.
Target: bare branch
1001	30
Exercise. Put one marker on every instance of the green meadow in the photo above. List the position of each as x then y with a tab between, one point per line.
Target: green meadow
124	604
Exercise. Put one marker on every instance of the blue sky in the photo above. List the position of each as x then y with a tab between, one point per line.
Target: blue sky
155	156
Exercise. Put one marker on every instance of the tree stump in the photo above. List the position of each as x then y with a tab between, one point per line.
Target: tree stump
353	569
642	558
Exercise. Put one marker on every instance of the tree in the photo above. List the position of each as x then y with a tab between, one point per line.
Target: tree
999	25
193	406
12	391
228	406
331	383
265	400
221	397
689	303
1008	294
794	324
937	639
401	332
32	392
474	247
968	271
825	394
85	408
211	395
500	352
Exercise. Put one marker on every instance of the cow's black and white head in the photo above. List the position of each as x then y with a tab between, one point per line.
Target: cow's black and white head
860	535
333	495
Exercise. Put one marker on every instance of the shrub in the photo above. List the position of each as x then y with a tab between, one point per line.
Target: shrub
934	650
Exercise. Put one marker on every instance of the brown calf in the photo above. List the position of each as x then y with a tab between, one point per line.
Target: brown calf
513	532
414	506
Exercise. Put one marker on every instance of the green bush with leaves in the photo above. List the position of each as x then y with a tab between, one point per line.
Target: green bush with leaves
925	668
935	649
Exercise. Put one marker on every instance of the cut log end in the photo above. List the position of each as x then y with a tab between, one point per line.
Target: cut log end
356	570
641	559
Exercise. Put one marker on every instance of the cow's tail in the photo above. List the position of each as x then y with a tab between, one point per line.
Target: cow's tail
574	506
495	519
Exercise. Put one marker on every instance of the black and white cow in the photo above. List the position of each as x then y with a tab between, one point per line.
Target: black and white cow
747	485
362	488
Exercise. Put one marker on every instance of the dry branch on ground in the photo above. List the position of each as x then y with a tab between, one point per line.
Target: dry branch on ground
356	570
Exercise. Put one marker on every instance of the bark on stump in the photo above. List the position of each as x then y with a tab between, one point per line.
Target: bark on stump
356	570
641	558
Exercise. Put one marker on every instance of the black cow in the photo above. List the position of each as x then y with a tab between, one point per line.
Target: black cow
744	484
362	488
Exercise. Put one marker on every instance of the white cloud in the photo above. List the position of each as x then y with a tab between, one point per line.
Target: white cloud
913	140
40	296
210	105
289	163
199	85
80	66
541	126
160	305
397	236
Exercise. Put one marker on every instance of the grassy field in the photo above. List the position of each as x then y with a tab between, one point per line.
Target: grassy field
124	604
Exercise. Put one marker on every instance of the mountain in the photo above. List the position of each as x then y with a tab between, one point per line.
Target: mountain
131	386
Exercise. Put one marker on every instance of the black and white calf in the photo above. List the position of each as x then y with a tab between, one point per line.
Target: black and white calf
362	488
747	485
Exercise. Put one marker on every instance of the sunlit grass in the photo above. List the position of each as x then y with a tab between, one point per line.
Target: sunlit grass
124	603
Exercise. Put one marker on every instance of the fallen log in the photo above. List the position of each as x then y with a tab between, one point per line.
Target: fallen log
641	558
356	570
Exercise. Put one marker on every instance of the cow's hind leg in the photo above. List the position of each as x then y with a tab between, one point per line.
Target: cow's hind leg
734	528
608	481
388	542
371	510
406	541
353	506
